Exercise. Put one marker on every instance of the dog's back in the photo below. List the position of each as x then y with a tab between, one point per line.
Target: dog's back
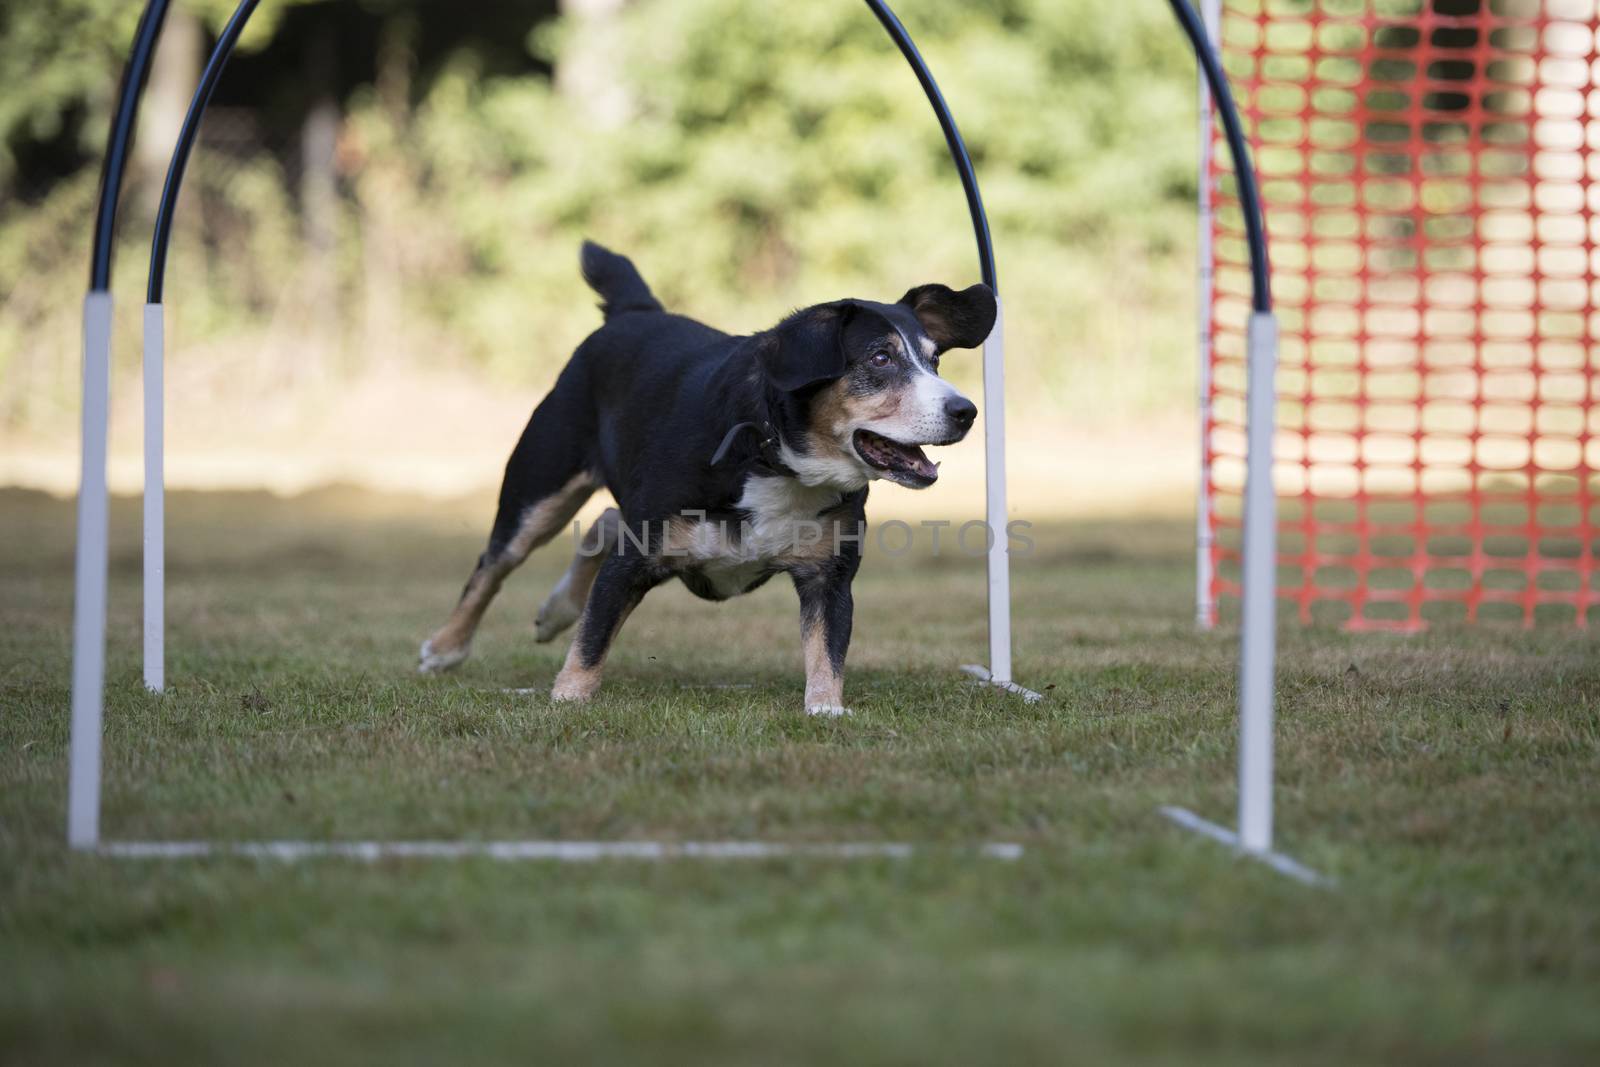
645	377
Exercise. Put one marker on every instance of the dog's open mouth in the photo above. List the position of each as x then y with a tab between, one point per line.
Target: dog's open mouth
907	465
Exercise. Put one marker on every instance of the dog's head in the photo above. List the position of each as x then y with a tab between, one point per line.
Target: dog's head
863	379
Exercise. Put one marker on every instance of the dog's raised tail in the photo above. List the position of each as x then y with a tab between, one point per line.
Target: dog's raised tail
617	280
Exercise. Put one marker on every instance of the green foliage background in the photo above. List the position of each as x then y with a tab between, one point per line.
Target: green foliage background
778	154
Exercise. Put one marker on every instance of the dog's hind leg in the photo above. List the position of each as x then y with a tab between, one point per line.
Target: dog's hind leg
565	602
518	530
547	480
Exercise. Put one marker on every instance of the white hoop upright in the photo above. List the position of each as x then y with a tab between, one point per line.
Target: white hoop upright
155	501
998	562
89	579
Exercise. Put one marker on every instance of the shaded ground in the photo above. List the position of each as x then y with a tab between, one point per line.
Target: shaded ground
1449	780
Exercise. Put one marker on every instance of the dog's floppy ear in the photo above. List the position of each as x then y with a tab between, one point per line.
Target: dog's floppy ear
806	348
952	319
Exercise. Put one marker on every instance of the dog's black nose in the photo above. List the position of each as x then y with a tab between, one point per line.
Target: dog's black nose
960	410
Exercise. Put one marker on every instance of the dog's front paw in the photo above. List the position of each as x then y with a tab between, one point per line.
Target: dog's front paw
831	711
574	686
436	661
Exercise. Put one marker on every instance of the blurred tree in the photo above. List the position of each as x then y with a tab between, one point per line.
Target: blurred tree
60	63
429	169
174	71
53	60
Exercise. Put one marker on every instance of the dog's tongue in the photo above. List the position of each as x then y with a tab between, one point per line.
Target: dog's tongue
916	461
894	456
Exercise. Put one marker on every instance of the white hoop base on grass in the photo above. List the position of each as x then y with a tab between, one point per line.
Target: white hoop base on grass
1276	860
983	675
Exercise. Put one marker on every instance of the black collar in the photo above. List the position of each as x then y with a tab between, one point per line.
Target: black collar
768	448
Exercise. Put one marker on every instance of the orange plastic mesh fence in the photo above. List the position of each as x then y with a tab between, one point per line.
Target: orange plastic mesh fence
1428	173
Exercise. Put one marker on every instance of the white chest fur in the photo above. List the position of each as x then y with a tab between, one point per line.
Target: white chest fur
782	524
783	514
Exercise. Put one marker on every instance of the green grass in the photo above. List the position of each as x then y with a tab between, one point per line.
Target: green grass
1449	781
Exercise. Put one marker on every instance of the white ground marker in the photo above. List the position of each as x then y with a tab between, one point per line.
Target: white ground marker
89	582
559	851
155	501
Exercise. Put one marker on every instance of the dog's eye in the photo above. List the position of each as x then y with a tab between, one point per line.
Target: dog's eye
880	359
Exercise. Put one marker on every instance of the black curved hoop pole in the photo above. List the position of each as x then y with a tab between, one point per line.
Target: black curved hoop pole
952	137
1244	172
118	140
186	138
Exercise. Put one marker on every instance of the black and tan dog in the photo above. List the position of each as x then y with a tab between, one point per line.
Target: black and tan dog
731	459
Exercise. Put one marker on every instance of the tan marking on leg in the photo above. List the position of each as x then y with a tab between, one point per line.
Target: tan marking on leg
452	642
549	516
578	682
824	685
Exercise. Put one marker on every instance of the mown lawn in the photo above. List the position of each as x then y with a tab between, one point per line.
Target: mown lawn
1450	782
